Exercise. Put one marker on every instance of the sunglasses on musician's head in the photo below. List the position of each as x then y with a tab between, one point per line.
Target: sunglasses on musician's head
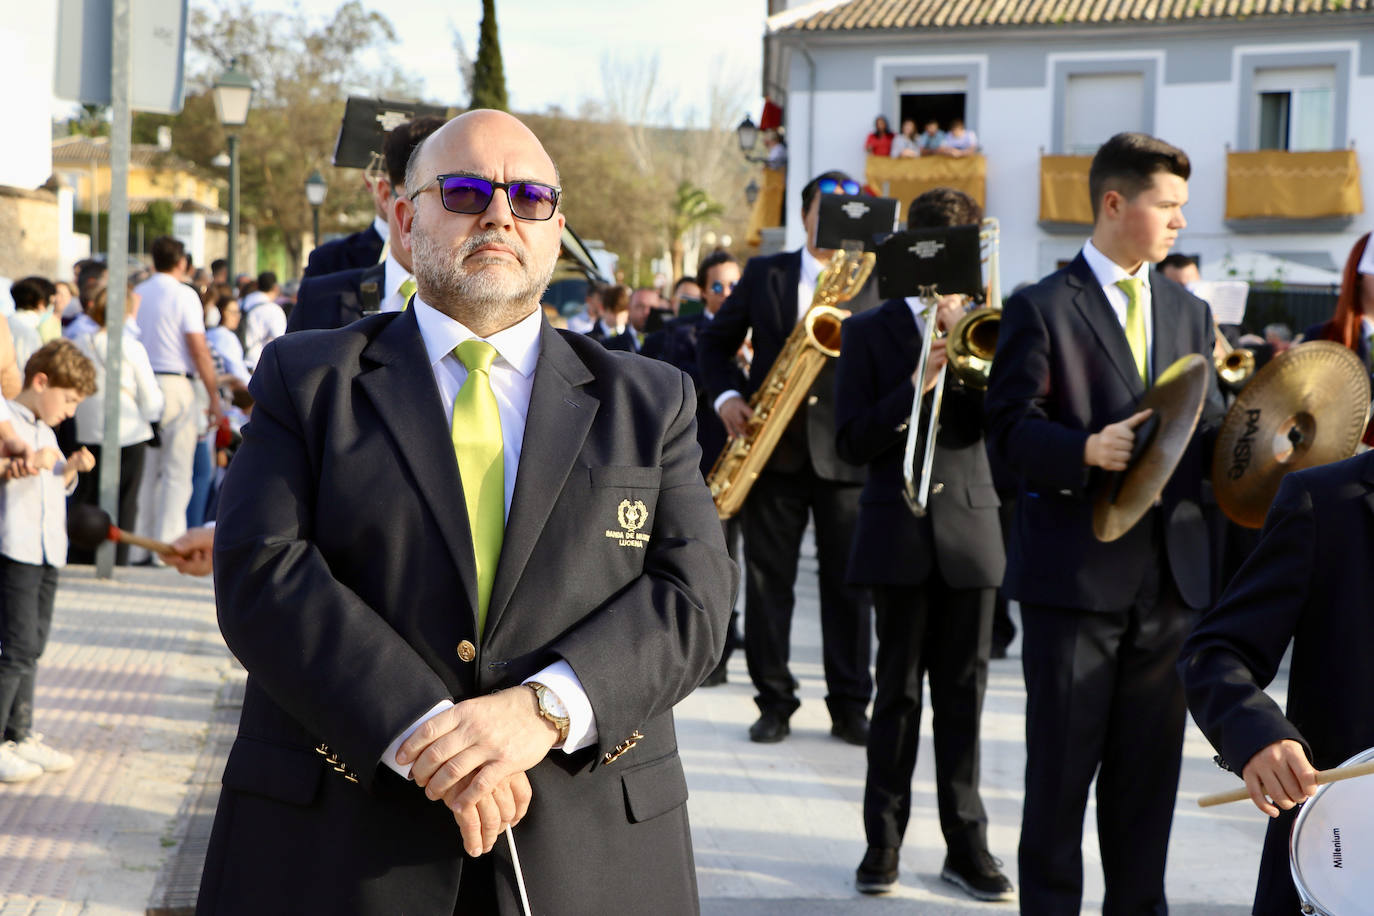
719	287
832	186
529	200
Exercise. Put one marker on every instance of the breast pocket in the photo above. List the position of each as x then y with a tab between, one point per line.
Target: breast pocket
626	498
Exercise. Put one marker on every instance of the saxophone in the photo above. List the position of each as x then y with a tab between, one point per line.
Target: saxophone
815	339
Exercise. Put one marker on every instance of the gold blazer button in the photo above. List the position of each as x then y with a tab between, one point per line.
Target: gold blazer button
467	651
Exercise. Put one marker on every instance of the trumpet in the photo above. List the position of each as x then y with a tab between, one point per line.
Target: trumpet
972	342
1234	365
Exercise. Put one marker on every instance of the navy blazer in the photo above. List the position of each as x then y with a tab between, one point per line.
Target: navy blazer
336	299
873	400
361	249
1063	371
765	300
1309	581
345	585
676	343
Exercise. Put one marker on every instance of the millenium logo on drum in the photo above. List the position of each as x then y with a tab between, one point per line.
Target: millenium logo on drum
1335	847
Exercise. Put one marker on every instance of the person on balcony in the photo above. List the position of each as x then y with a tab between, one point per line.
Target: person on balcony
960	141
932	138
907	143
879	143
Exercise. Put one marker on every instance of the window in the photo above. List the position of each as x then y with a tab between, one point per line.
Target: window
939	100
1295	108
1097	106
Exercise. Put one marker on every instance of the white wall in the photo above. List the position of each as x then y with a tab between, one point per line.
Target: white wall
28	41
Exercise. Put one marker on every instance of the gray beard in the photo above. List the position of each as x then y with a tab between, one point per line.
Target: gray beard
462	293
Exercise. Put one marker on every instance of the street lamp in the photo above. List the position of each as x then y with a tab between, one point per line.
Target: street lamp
751	191
315	189
233	93
748	136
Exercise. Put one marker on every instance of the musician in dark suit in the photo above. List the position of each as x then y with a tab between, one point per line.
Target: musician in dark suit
1102	622
676	343
615	306
804	477
357	249
501	600
933	579
1309	581
336	299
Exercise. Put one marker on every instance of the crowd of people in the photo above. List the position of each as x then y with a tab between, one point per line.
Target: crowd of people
956	141
567	653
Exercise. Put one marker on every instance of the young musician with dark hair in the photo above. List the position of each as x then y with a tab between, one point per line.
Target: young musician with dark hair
932	578
336	299
1102	622
804	477
1308	582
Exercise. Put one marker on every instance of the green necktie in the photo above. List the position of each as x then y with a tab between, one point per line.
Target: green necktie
1135	322
407	290
476	434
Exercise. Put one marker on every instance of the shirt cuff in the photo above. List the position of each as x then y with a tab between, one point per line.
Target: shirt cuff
389	755
562	680
732	393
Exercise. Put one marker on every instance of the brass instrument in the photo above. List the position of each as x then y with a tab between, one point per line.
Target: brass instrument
1234	365
815	339
972	343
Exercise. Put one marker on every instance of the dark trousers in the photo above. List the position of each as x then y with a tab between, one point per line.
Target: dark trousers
774	522
1102	696
944	634
27	593
88	492
477	887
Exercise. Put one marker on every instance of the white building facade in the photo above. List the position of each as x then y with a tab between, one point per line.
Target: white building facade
1206	83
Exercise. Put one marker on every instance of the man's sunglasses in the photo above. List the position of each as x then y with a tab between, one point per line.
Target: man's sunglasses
719	287
468	194
832	186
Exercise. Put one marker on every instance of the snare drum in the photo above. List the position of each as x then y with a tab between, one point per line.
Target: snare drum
1331	849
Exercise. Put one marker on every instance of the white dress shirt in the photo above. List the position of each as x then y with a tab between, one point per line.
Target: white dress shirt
383	228
512	381
24	331
806	291
33	510
263	322
167	312
392	300
140	397
1107	272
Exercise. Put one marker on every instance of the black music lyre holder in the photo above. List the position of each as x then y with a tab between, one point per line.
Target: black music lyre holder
855	222
943	261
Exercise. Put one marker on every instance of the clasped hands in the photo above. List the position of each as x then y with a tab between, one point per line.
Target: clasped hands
474	756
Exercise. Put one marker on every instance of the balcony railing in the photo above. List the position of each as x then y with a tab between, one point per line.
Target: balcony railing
907	179
767	211
1276	184
1064	197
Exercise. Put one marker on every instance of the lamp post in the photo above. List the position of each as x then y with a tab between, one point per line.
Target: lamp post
751	191
748	136
233	93
315	189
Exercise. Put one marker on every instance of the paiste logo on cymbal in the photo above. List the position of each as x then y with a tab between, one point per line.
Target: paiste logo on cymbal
631	514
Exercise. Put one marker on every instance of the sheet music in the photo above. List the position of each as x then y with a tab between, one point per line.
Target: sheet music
1226	297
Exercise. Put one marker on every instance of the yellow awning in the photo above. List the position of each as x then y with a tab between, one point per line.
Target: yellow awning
1276	184
767	211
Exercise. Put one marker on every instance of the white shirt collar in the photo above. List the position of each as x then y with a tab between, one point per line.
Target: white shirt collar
383	229
395	276
810	268
1108	271
918	312
23	413
518	344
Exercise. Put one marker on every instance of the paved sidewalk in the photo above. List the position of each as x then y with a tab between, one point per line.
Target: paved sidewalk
133	669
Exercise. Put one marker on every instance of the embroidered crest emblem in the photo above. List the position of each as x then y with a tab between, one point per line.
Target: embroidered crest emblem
631	515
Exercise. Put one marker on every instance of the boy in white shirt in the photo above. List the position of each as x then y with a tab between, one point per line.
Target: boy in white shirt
33	546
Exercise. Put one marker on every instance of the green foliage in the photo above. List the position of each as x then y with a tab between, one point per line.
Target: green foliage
488	73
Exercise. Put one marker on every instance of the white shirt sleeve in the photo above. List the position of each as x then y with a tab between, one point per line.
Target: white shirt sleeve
192	312
725	396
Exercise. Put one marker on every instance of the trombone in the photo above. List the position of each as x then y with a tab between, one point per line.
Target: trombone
972	343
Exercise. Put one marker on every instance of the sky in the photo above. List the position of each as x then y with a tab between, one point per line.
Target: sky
553	51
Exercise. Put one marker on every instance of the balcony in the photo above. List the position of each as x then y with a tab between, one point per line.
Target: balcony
907	179
1065	204
767	209
1270	190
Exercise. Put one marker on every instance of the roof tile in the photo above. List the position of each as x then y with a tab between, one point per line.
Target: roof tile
913	14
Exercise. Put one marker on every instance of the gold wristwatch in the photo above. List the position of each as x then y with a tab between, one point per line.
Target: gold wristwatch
551	708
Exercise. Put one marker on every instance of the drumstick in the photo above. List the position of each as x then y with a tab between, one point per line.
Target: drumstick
1336	774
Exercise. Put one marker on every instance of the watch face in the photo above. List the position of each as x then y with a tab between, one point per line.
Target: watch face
549	702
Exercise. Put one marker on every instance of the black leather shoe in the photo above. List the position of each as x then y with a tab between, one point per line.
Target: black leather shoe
979	874
851	729
877	873
771	728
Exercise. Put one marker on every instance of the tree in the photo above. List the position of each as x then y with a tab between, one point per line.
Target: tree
303	71
691	207
488	74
